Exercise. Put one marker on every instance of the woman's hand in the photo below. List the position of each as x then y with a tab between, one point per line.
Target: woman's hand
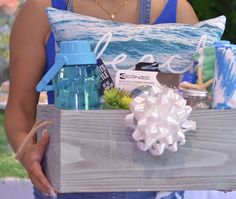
32	159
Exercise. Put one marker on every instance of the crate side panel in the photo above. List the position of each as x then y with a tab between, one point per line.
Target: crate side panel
52	158
99	154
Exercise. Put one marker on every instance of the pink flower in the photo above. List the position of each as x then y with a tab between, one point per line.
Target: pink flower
9	6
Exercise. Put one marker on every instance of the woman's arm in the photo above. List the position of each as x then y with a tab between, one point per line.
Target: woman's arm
185	13
27	61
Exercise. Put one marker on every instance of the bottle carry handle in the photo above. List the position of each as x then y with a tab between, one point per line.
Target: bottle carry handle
43	84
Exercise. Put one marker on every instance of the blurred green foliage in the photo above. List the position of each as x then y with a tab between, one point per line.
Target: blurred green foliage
9	166
206	9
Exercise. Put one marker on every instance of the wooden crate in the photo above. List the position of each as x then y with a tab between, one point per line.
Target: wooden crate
93	151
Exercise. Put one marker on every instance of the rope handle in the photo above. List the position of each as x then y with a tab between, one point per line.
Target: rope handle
25	144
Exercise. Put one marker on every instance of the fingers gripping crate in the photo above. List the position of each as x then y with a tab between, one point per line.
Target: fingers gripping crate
93	151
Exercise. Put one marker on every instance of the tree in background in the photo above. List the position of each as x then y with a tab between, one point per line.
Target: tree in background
9	6
8	9
206	9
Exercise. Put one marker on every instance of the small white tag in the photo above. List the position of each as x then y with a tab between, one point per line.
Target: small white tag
131	79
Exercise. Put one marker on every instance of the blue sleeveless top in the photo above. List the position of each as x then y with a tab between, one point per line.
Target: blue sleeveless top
168	15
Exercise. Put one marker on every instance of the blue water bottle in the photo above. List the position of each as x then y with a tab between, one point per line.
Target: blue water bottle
75	76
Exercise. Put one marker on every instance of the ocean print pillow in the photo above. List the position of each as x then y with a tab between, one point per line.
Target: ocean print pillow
171	45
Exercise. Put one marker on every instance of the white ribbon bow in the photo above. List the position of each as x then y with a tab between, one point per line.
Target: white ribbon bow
159	119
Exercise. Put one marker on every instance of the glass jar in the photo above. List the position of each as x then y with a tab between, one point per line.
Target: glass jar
197	99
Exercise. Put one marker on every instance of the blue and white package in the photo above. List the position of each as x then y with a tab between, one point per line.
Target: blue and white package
224	86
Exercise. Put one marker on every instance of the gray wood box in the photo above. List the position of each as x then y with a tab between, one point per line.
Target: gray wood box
93	151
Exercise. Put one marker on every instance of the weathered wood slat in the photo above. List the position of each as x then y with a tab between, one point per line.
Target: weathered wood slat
93	151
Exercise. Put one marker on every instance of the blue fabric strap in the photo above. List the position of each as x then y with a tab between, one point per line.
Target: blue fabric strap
144	11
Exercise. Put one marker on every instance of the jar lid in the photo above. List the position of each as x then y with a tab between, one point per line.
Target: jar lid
195	93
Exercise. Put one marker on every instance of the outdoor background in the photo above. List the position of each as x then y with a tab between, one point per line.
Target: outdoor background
205	9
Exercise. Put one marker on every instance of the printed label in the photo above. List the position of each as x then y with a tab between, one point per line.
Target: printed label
106	80
131	79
